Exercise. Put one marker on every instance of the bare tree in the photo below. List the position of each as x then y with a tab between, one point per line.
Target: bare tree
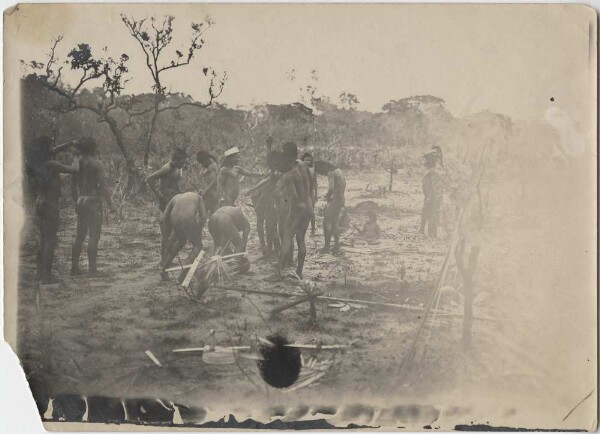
108	72
154	40
391	167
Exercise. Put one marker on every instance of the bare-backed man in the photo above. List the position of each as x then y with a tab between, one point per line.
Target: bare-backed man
225	226
91	191
294	206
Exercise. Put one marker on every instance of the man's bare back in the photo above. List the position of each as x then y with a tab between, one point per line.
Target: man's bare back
224	226
294	217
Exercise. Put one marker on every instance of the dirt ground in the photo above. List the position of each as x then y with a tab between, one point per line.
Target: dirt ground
97	330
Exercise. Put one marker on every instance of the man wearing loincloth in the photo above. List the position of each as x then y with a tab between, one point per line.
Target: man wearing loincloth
91	191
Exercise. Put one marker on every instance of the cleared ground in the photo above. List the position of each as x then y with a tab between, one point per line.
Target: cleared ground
100	328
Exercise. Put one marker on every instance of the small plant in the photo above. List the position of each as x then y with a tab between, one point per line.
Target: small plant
342	267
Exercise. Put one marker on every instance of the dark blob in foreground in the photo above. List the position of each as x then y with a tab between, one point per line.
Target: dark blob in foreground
281	365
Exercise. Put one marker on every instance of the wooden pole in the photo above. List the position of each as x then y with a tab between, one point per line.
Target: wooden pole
347	300
289	305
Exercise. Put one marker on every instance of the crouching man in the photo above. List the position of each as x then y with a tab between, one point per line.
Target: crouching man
225	226
181	221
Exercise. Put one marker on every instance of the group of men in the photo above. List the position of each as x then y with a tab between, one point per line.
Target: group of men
283	200
89	191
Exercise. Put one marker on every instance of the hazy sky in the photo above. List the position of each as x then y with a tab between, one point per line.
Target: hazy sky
508	59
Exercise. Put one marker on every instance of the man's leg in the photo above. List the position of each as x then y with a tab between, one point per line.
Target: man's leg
165	232
175	245
434	218
164	260
287	245
271	230
260	228
50	237
312	220
337	208
162	204
424	216
82	230
300	240
95	224
327	227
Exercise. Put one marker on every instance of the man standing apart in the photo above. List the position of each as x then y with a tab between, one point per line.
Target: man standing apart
92	189
336	201
432	192
169	178
228	184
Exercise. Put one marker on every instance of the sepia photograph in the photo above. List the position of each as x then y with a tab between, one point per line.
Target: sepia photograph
378	217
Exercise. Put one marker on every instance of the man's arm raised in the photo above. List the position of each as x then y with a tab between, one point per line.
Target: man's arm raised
245	172
62	168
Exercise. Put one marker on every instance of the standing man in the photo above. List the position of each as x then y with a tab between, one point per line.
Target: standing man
169	178
228	184
46	180
439	156
309	161
265	207
92	190
292	193
336	201
209	178
432	192
305	188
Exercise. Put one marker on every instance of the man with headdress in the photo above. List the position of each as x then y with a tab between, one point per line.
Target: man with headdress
228	184
209	178
336	201
45	174
169	178
92	191
432	192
